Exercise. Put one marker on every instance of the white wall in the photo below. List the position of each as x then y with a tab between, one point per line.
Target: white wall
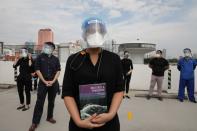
137	58
6	73
64	53
140	79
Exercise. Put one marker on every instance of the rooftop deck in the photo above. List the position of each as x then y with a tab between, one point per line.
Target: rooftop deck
148	115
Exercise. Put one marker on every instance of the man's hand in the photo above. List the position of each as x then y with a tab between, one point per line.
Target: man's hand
47	83
88	124
29	56
50	83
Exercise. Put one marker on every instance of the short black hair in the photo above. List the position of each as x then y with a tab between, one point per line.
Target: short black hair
187	49
50	44
125	52
24	48
159	51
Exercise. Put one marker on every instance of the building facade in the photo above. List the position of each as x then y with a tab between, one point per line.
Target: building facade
44	35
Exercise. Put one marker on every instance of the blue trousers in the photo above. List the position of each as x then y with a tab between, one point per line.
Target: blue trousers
190	89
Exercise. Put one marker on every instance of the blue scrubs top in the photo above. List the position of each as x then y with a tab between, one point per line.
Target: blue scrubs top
187	67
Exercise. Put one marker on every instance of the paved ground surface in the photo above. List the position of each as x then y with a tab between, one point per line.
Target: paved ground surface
148	115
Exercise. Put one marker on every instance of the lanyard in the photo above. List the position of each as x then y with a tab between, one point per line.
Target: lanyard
97	74
73	60
82	61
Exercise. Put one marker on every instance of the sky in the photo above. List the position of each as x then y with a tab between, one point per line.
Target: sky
171	24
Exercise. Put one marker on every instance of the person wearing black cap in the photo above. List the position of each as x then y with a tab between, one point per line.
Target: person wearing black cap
158	66
186	65
47	68
24	78
127	66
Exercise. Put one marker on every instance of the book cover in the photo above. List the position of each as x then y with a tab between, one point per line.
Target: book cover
92	99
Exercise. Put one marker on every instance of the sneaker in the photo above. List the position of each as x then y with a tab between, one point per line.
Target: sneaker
181	100
148	97
26	108
127	96
160	98
20	107
194	101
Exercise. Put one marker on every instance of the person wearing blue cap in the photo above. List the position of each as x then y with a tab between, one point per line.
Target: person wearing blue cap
186	66
99	71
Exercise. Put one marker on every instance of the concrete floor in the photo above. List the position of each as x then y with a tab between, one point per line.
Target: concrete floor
148	115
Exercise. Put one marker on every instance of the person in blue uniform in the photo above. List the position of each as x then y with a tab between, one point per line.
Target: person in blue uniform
94	65
186	66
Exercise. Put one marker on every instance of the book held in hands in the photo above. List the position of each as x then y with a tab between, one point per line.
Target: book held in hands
92	99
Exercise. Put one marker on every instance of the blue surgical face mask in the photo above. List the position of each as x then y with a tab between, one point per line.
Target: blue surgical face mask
48	50
24	55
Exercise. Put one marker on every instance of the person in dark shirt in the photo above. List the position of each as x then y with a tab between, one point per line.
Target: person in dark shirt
34	77
158	66
186	66
47	68
24	78
93	66
127	71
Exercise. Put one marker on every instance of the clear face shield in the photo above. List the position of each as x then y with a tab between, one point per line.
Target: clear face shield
94	32
187	53
23	53
158	54
126	55
47	49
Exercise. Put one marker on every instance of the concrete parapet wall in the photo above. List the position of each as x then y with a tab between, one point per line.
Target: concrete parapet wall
140	79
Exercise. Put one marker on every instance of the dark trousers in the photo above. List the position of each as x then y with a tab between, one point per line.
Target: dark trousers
190	89
35	81
22	84
127	79
113	125
41	95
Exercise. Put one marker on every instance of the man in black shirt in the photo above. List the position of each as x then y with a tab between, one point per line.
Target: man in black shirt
127	71
47	68
158	66
24	78
34	77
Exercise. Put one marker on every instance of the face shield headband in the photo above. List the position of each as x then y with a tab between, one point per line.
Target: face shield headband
94	32
23	52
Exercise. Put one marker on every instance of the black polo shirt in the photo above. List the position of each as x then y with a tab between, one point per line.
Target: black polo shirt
110	72
158	66
126	65
48	66
24	68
